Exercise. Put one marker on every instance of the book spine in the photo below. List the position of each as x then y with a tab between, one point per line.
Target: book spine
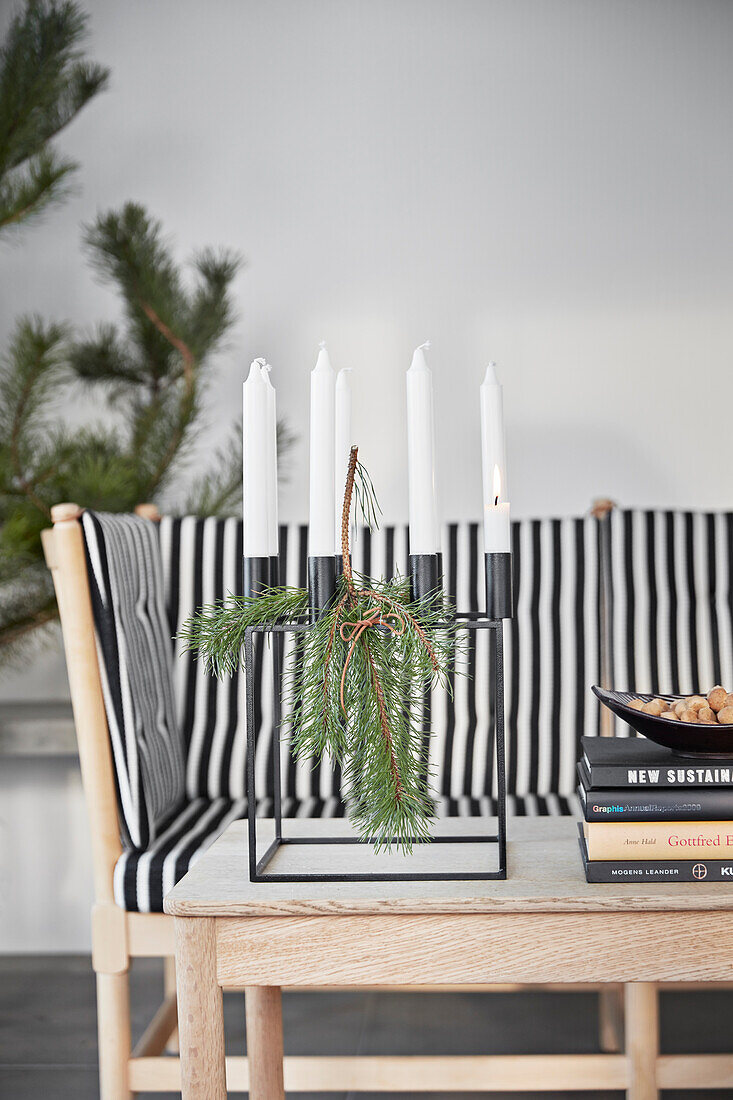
659	840
658	805
711	870
651	870
658	775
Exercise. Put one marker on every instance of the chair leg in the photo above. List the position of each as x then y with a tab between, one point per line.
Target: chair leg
169	986
113	1022
263	1008
611	1019
642	1039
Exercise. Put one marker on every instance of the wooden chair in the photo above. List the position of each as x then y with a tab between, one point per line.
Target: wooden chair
540	781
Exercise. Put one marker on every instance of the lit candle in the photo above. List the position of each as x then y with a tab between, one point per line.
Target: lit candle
423	509
497	534
255	464
322	447
343	443
272	513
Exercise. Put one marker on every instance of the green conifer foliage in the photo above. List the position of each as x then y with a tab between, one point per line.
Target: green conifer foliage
147	374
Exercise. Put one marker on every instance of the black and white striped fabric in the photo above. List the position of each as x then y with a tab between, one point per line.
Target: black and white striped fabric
671	614
133	639
551	656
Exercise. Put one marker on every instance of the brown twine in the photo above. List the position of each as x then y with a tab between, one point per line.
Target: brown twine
351	632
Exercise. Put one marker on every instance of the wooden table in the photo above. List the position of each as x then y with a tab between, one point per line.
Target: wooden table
544	924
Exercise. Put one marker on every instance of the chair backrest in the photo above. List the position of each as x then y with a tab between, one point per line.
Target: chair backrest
133	641
552	655
671	612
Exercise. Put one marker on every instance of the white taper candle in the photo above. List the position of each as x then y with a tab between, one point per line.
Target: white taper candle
272	509
423	508
255	479
322	484
497	530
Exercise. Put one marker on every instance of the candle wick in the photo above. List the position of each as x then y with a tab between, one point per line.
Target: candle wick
496	501
424	347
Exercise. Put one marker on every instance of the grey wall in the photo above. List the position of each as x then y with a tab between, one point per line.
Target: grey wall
543	182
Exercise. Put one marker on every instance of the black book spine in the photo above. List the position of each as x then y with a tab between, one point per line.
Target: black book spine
664	871
609	776
651	870
660	804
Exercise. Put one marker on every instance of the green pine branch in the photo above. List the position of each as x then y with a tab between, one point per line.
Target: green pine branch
161	360
29	192
149	370
355	683
354	693
45	81
30	375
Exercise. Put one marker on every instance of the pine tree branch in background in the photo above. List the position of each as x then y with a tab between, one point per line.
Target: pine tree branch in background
27	606
219	490
104	357
151	368
128	251
171	333
28	193
44	83
33	370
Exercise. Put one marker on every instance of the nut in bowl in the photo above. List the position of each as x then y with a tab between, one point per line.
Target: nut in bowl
694	725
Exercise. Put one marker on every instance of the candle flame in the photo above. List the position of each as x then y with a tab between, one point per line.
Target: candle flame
497	484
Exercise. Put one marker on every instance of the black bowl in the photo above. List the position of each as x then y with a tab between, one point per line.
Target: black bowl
687	738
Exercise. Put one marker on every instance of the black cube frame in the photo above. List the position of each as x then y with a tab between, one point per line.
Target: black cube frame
258	867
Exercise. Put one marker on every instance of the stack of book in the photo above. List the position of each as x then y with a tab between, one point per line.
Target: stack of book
652	815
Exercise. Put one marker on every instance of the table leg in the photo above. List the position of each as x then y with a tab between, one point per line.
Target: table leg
200	1011
642	1039
263	1006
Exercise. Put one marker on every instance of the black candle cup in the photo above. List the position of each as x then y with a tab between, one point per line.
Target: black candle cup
274	570
498	585
256	575
321	584
426	575
339	559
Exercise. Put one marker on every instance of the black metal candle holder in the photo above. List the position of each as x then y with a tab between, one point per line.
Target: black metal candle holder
257	574
259	864
321	584
499	587
426	574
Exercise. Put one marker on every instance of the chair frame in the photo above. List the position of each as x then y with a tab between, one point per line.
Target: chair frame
119	936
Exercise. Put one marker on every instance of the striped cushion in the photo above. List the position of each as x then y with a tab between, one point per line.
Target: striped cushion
552	656
123	559
671	614
142	879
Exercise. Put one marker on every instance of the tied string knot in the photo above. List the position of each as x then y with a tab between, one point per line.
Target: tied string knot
390	621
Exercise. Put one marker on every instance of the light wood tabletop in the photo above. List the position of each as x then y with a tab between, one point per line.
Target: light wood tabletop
543	924
545	875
